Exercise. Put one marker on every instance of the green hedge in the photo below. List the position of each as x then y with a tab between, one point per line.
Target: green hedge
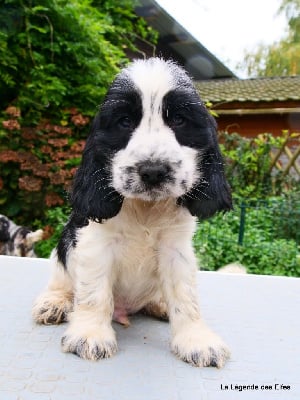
271	238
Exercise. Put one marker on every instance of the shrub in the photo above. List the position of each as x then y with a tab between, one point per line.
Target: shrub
249	165
265	250
56	219
38	163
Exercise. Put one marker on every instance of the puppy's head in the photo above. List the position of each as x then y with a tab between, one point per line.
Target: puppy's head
152	139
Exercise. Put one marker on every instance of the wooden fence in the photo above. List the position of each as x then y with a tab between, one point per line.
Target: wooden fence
286	159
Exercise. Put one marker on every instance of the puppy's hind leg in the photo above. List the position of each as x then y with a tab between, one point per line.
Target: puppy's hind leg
56	302
156	308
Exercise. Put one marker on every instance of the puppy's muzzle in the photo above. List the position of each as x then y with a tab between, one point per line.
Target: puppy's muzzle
153	174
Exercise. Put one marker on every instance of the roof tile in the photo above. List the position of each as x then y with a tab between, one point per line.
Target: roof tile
258	89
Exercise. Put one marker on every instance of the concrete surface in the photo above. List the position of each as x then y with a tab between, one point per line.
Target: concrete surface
259	318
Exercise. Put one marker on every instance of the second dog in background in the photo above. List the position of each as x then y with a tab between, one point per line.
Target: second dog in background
17	240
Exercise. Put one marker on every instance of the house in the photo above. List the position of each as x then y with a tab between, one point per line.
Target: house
253	106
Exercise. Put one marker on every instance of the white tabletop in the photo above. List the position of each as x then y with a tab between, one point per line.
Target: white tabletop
258	317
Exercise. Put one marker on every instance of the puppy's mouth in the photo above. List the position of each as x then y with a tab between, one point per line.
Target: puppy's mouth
147	191
151	194
151	182
148	181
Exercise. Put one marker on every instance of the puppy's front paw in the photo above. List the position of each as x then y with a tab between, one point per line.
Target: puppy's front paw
93	346
52	307
199	346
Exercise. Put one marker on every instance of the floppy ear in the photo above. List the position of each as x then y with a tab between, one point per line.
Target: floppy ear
91	195
212	193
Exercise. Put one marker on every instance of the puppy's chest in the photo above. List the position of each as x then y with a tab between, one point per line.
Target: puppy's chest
137	241
140	232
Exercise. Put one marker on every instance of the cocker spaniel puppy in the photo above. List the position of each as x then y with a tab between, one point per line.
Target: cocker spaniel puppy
150	166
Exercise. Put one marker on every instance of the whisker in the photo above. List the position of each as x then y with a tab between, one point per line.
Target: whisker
112	192
202	193
191	197
100	180
97	171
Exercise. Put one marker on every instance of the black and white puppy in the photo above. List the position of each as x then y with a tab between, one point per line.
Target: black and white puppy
17	240
151	165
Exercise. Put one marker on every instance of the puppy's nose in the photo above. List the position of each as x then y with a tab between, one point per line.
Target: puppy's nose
153	173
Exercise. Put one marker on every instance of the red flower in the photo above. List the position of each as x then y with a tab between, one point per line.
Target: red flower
13	111
58	142
53	199
30	184
29	134
8	155
62	130
80	120
11	124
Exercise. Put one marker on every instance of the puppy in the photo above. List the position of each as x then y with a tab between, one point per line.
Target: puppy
17	240
150	166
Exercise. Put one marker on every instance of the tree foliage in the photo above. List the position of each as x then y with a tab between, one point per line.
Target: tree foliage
63	53
280	58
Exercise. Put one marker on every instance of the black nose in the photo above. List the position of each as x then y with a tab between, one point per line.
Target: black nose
153	174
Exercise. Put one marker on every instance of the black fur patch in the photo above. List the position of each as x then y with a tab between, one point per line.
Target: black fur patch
194	127
92	194
68	237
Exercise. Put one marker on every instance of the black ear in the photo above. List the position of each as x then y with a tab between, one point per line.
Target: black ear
212	193
92	195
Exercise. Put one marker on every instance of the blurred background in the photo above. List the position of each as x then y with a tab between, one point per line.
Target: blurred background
57	59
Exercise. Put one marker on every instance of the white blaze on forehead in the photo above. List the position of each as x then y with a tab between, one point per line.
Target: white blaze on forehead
152	76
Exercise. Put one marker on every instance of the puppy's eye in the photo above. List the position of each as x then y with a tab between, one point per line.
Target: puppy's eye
177	120
126	123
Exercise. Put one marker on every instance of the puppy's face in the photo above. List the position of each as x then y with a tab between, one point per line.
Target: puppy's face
153	139
154	113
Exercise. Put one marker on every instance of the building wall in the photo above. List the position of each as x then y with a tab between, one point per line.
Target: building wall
252	125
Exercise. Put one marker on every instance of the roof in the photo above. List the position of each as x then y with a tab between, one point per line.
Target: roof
177	42
241	90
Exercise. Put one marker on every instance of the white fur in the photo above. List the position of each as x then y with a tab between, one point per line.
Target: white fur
161	142
128	262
